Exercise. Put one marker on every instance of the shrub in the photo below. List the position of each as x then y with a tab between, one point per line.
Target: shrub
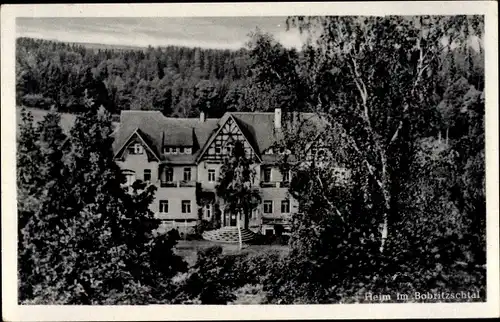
37	100
209	280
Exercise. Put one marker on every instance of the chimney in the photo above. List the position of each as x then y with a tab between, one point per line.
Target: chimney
202	117
277	118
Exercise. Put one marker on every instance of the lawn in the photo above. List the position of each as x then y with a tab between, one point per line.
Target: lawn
188	248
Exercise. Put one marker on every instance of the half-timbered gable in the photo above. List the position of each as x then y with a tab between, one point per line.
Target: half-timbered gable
182	157
222	143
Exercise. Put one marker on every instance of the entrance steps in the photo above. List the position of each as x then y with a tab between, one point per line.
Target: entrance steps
229	235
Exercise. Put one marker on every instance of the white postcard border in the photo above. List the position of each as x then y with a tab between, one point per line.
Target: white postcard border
13	312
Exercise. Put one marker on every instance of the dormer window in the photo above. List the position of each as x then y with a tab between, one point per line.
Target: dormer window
177	150
138	148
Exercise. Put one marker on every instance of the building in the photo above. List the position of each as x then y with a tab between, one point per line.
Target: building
183	157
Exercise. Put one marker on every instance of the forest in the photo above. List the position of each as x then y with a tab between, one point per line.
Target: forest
178	81
404	98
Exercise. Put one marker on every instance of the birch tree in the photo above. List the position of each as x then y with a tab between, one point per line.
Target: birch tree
376	77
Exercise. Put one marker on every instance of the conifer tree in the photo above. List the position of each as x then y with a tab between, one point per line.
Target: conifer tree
29	190
92	241
235	185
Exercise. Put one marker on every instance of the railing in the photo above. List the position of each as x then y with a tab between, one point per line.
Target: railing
177	184
278	219
274	184
165	184
176	216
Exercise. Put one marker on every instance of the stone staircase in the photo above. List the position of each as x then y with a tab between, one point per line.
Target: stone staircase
229	235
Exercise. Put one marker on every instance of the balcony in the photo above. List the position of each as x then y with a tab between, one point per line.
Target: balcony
274	184
282	219
177	184
176	216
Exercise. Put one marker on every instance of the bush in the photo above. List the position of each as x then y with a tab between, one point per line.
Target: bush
216	278
209	281
272	240
37	100
203	226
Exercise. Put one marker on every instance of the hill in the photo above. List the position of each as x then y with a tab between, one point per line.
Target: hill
67	119
179	81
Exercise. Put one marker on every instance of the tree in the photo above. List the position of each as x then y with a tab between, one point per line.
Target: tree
235	186
29	156
275	75
91	241
204	98
389	64
29	189
373	82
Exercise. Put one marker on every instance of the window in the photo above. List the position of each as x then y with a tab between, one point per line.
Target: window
181	150
267	175
167	150
208	211
138	148
286	176
285	206
147	175
217	150
229	149
188	150
186	206
169	174
174	150
284	151
268	206
187	174
164	206
130	176
211	175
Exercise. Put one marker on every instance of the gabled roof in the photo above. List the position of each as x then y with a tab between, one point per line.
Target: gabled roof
146	139
158	131
241	127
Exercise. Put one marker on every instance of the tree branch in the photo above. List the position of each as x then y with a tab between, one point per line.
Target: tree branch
328	201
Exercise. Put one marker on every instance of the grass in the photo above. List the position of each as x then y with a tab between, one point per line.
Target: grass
188	248
67	120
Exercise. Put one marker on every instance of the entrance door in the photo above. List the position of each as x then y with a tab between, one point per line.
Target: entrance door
230	219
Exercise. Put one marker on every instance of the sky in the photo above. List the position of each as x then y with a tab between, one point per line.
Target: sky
206	32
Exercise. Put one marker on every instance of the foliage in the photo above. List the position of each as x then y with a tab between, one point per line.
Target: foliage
374	81
396	202
235	185
218	278
178	81
205	225
87	240
208	281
